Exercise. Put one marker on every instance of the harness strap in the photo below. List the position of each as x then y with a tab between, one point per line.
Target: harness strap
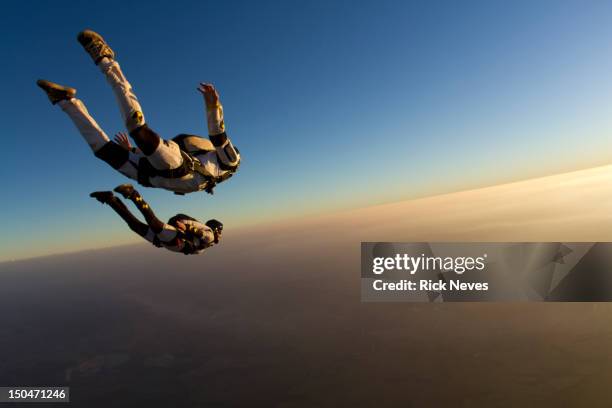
190	165
146	170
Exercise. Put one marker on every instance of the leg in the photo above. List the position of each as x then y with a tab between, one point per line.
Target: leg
162	154
102	147
116	204
104	57
87	126
128	192
157	230
133	222
130	109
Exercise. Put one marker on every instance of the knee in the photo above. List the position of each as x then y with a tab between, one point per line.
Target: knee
115	155
135	121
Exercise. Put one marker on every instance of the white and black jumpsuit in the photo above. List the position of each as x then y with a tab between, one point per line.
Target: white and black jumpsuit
193	239
157	162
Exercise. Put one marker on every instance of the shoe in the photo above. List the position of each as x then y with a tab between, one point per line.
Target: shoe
126	190
103	196
56	92
95	45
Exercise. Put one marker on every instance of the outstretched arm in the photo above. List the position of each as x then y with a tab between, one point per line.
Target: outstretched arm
227	153
214	110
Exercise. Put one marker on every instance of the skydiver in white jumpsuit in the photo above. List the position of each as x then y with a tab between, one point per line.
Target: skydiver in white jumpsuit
180	234
185	164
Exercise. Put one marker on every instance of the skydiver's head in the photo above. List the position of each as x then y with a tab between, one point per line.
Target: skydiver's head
217	227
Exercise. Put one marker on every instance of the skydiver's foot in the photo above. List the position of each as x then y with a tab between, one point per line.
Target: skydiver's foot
95	45
56	92
104	197
126	190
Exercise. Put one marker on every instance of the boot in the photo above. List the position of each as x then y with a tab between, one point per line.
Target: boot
104	197
126	190
95	45
56	92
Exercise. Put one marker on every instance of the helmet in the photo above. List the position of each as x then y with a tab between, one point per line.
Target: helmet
217	227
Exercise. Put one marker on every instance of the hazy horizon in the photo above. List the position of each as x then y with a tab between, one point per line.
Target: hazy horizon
526	210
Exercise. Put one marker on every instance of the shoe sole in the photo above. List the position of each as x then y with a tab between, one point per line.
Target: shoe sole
47	85
102	196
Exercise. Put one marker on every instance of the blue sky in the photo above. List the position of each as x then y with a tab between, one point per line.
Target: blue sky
333	105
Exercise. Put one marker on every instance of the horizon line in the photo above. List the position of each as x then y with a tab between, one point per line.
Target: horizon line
298	219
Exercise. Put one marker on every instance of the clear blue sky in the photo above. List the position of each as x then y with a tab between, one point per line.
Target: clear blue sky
333	104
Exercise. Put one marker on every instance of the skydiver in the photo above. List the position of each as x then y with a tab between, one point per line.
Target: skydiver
185	164
180	234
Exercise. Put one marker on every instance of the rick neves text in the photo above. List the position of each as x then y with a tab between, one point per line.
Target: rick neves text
430	285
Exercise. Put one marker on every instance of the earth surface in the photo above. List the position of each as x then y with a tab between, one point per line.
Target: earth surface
273	317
